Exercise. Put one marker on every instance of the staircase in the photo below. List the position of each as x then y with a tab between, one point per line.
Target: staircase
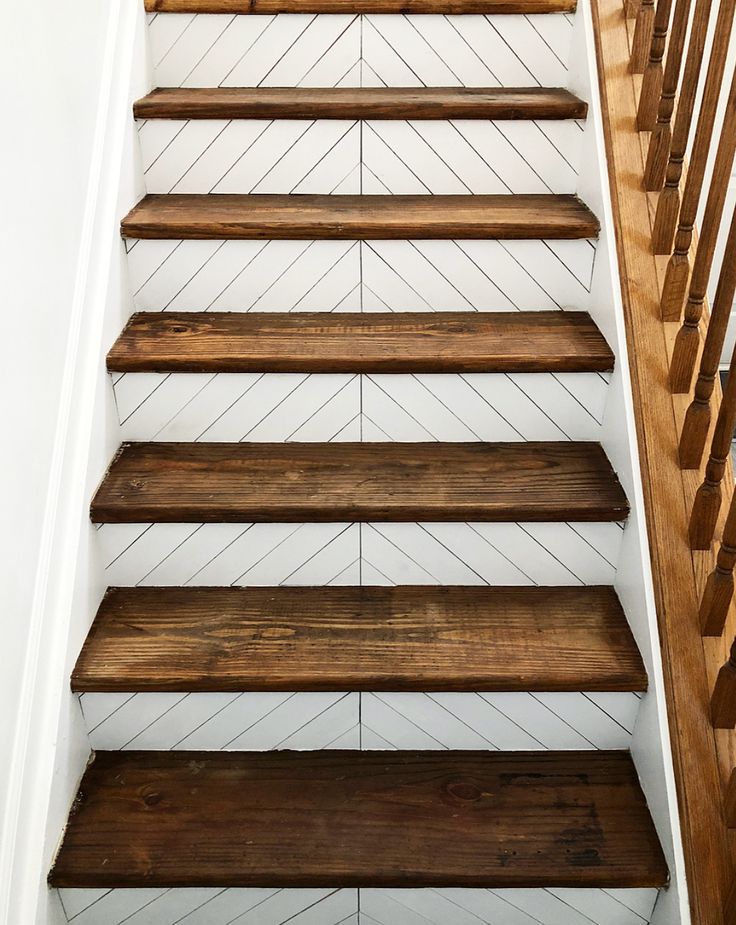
361	658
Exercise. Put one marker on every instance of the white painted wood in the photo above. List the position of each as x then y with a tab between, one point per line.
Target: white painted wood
234	407
222	722
276	407
251	156
341	156
509	721
245	275
371	554
470	156
212	906
469	50
230	554
345	50
493	554
249	51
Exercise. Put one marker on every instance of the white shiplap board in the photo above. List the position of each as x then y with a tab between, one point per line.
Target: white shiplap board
364	907
339	156
280	407
262	721
240	554
324	275
332	50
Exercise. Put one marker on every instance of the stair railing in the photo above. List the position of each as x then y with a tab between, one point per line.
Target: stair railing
661	34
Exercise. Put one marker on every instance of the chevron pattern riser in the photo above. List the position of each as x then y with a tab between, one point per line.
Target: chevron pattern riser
363	907
314	720
325	156
353	554
423	275
191	50
291	406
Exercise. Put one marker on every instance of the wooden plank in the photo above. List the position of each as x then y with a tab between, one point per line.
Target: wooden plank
360	819
360	638
300	216
363	103
708	847
390	342
362	6
338	482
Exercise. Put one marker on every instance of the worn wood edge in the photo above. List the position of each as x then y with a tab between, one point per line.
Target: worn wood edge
376	103
708	847
267	7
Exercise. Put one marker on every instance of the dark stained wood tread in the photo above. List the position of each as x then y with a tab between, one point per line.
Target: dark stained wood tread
305	216
340	482
391	342
361	103
360	638
360	6
360	819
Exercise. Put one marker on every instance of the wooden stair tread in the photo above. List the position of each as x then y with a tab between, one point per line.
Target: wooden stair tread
341	482
306	216
360	819
361	6
326	342
360	103
360	638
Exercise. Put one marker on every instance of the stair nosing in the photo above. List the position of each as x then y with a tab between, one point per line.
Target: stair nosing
363	103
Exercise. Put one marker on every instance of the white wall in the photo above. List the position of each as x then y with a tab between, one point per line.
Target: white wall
57	70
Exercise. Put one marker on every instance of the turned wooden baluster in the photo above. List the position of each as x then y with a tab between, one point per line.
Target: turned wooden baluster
659	144
697	419
723	700
678	268
686	344
707	502
719	587
651	87
631	8
642	40
668	205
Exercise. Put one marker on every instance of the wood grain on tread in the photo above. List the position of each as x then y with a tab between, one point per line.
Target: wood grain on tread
327	342
360	819
339	482
306	216
360	638
361	103
361	6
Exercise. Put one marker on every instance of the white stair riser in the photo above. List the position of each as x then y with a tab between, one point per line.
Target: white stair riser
373	907
265	554
309	720
280	407
419	275
331	50
325	156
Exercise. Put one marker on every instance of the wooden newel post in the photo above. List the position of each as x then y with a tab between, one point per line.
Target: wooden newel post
698	416
723	701
719	587
659	144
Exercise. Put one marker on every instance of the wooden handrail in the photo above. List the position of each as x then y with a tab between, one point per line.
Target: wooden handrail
678	268
651	86
661	140
688	338
687	508
698	416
